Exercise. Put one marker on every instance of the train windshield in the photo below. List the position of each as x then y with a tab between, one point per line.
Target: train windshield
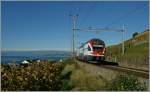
89	49
99	47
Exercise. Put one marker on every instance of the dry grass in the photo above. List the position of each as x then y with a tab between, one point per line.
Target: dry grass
86	81
80	80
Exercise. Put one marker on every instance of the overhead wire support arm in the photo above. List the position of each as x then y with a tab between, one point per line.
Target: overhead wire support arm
108	30
97	30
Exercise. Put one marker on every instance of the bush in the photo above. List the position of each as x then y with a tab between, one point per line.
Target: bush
126	83
36	76
65	76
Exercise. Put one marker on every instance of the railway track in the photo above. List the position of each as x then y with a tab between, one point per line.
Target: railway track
116	67
137	72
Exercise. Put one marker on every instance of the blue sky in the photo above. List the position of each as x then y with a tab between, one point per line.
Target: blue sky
47	25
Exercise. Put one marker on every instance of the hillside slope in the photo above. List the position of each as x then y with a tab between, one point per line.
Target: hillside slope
136	52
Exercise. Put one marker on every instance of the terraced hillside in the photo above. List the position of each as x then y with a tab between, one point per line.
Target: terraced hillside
136	52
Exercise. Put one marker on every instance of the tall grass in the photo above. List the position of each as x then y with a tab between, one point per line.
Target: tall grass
77	79
125	83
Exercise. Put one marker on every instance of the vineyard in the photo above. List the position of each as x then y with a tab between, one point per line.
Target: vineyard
139	39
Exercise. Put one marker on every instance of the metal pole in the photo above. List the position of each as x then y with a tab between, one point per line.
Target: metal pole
73	38
74	27
123	40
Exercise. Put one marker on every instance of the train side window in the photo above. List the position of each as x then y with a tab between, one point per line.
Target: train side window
89	49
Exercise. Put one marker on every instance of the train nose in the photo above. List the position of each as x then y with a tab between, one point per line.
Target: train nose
99	52
97	58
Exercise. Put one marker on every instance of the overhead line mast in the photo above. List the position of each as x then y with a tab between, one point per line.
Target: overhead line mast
107	29
74	17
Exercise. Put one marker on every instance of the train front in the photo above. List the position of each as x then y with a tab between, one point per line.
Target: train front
98	50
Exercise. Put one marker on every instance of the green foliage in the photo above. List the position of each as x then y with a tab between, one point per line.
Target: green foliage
34	77
125	83
135	55
66	74
77	79
135	34
129	45
84	81
142	48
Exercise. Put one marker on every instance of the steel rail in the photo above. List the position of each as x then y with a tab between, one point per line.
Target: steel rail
138	72
134	71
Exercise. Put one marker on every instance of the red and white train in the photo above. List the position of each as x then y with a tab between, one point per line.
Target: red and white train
92	51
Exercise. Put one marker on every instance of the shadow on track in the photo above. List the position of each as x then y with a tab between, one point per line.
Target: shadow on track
100	63
108	63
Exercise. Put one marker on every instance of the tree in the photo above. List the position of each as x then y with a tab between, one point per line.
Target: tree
135	34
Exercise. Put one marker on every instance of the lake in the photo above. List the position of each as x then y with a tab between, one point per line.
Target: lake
18	56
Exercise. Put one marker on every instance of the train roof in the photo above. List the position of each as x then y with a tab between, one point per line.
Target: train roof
94	39
97	40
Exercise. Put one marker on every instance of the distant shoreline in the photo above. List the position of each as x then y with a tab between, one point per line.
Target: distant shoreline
19	56
35	50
